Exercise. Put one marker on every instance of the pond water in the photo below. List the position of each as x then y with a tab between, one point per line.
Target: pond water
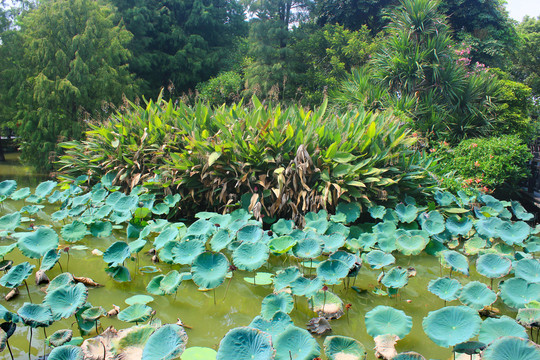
234	307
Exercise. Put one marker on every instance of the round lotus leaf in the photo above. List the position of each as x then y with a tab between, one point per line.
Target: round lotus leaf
101	229
61	280
59	215
308	248
169	284
350	259
135	313
377	212
493	265
60	337
511	348
31	209
93	313
445	288
139	299
296	343
275	325
477	295
260	278
20	194
456	261
350	210
283	227
513	233
333	242
378	259
411	245
199	353
245	343
209	270
4	250
384	320
285	277
154	287
169	234
529	317
433	222
281	244
45	188
493	328
250	233
136	246
117	253
276	302
166	343
327	304
7	187
50	259
200	227
365	242
10	221
332	271
343	347
35	315
7	315
16	275
409	355
528	269
119	273
65	300
74	232
406	214
250	256
35	244
451	325
220	240
302	286
474	245
396	278
185	251
66	352
516	292
126	203
319	225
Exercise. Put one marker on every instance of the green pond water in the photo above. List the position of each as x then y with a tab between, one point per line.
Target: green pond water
209	322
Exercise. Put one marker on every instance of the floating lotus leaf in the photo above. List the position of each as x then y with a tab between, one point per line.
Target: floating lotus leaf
74	232
327	304
529	317
154	287
518	292
50	259
20	194
477	295
493	328
10	221
260	278
116	254
283	227
245	343
451	325
488	227
200	227
101	229
35	244
169	234
445	288
384	320
7	187
308	248
333	242
285	277
433	222
139	299
250	256
16	275
302	286
474	245
513	233
169	284
4	250
348	258
332	271
378	259
457	226
317	222
297	344
469	347
119	273
511	348
281	244
209	270
45	188
493	265
93	313
396	278
220	240
61	280
528	269
185	251
275	325
377	212
455	260
166	343
65	300
199	353
60	337
343	347
36	315
409	355
411	245
59	215
66	352
406	214
276	302
31	209
135	313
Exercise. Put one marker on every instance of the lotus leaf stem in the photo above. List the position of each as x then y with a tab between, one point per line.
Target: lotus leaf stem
214	292
44	342
9	348
60	264
30	345
28	291
227	288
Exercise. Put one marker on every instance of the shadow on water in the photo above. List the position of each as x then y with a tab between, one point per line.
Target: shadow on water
24	175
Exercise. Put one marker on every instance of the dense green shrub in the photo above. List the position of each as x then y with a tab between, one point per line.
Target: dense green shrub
285	161
496	164
223	89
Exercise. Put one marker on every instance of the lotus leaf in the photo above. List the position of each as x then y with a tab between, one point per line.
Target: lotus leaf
50	259
245	343
295	343
444	198
139	299
74	232
432	222
488	227
518	292
209	270
332	271
60	280
65	300
327	304
276	302
455	260
529	317
66	352
351	211
511	348
135	313
513	233
317	224
445	288
4	250
59	215
384	320
339	347
7	315
169	284
116	254
126	203
308	248
220	240
333	242
35	244
281	244
365	242
457	226
119	273
60	337
477	295
136	246
31	209
378	259
260	278
396	278
45	188
16	275
250	256
285	277
169	234
348	258
377	212
411	245
199	353
166	343
154	287
10	221
36	315
493	328
474	245
302	286
493	265
528	269
409	355
275	325
7	187
283	227
20	194
93	313
185	251
200	227
451	325
406	214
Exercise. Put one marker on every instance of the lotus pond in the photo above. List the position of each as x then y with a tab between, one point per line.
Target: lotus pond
409	278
